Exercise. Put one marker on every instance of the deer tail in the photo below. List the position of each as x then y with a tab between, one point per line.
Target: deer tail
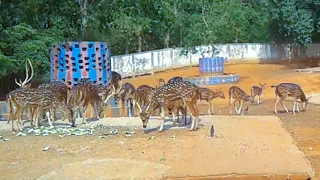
273	86
199	94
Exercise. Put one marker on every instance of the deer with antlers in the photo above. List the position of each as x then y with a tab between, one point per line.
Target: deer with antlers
113	88
126	95
257	91
34	98
25	84
236	94
166	94
141	95
284	90
208	95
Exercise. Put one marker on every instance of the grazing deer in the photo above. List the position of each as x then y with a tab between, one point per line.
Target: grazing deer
237	94
284	90
141	96
257	91
208	95
175	79
114	87
166	94
25	84
46	100
83	94
62	92
125	95
33	98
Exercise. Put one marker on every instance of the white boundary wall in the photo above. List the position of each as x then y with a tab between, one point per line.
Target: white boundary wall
146	62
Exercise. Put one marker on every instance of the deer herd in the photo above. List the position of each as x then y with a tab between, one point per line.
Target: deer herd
175	96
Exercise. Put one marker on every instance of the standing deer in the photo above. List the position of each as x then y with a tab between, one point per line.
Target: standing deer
175	107
125	95
238	95
283	90
33	98
46	100
257	91
166	94
83	94
62	92
208	95
114	87
25	84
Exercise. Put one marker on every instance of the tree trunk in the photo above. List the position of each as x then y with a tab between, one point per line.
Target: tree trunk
167	40
180	36
127	49
139	43
84	13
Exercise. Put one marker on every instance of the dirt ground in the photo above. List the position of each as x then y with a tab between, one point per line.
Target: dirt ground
20	156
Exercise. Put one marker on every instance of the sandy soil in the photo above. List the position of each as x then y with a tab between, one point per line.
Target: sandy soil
19	153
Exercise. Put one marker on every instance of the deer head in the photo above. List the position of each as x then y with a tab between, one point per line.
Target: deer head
305	103
263	86
25	84
220	94
146	113
161	82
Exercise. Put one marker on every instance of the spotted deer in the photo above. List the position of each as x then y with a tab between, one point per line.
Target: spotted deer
284	90
25	84
175	107
32	98
62	91
208	95
175	79
236	94
141	95
83	94
166	94
114	87
125	95
46	100
257	91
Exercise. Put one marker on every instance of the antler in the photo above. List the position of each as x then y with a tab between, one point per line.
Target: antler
27	79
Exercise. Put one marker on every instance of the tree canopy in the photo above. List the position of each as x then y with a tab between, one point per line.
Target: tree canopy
29	28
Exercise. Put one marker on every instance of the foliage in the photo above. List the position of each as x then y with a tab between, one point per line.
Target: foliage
29	28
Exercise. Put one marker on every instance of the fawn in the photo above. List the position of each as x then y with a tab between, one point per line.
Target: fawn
238	95
257	91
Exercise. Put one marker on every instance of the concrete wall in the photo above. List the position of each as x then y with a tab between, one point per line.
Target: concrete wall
146	62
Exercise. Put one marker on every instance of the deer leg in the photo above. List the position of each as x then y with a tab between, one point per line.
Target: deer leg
259	99
163	115
230	105
282	99
195	113
84	121
130	107
275	105
173	111
240	108
297	105
48	114
95	108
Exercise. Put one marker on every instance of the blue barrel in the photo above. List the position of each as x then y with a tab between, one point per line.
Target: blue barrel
211	65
